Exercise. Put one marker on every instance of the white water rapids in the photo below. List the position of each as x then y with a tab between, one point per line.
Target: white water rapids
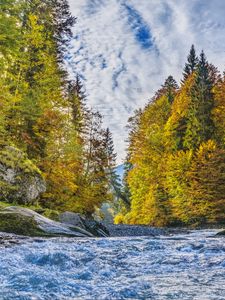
182	266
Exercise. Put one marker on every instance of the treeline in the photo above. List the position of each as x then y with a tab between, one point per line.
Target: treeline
44	114
176	152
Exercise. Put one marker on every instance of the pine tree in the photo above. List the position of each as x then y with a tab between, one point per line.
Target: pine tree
168	89
98	161
113	178
200	126
170	86
109	150
191	65
77	98
63	23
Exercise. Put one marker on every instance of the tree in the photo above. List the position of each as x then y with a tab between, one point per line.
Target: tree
200	125
207	189
191	64
168	89
218	112
176	152
113	178
10	44
146	153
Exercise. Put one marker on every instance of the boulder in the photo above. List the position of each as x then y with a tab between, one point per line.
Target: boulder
23	221
75	219
20	180
221	232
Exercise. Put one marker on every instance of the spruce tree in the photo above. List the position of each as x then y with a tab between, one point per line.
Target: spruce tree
200	126
76	98
170	86
109	149
191	65
168	89
113	178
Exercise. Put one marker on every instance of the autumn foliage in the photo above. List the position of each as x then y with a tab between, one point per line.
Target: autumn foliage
176	151
43	112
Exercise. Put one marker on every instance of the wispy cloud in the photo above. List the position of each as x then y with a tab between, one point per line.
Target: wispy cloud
124	49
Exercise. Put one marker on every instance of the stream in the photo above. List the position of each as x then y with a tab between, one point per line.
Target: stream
186	266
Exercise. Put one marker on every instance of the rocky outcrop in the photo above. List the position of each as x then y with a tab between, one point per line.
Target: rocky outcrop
75	219
23	221
20	180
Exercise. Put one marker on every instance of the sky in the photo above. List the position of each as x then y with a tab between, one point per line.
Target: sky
124	50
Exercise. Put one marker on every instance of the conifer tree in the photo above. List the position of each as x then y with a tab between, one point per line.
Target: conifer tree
113	178
109	150
200	126
170	87
191	65
77	98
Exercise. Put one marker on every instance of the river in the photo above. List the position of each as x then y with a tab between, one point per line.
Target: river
187	266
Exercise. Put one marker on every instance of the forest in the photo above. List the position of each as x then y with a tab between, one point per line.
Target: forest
73	223
44	118
175	166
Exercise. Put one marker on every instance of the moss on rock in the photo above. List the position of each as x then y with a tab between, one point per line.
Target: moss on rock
18	224
21	181
23	221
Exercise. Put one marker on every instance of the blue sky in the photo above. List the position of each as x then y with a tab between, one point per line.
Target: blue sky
124	50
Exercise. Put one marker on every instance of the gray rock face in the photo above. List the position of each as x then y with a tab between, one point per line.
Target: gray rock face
26	222
75	219
20	179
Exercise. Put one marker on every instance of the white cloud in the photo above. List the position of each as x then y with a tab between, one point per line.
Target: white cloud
121	72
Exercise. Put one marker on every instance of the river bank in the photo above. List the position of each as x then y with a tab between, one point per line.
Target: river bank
18	224
122	230
7	239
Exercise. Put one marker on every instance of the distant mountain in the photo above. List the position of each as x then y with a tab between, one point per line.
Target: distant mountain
120	171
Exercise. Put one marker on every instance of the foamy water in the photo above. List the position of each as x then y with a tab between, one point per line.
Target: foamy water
186	266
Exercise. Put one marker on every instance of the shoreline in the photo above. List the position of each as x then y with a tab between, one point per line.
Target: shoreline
120	230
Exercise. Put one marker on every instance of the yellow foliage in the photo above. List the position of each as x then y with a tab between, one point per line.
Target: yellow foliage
119	219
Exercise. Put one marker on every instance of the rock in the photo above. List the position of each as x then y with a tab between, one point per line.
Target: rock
7	240
221	232
75	219
20	180
124	230
23	221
